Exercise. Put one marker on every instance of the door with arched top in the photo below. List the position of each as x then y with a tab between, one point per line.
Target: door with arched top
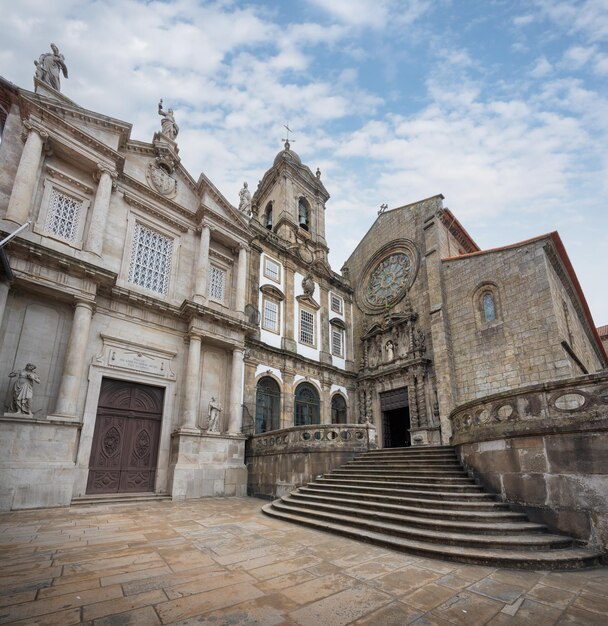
125	443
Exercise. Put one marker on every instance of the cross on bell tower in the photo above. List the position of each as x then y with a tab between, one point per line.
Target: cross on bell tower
287	144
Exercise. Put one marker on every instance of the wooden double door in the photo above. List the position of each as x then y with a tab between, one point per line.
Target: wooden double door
124	453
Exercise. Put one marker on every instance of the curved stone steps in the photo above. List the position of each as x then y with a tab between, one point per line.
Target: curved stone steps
571	558
531	541
474	492
443	474
465	487
367	495
486	517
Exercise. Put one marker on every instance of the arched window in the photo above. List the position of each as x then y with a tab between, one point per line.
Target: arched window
338	409
267	405
268	216
303	214
307	406
489	307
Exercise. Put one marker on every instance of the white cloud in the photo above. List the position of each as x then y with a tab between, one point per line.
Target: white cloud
541	68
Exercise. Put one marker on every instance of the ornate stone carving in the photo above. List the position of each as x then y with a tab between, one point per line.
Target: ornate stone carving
159	179
23	390
387	276
169	127
48	67
308	285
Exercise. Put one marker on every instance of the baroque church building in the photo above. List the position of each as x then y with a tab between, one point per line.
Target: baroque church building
156	339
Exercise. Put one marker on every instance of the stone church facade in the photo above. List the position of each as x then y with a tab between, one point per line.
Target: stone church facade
170	330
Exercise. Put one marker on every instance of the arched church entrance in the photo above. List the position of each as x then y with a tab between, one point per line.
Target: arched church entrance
124	452
395	409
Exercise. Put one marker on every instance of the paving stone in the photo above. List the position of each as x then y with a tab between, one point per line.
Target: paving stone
122	605
394	614
318	588
579	617
497	590
592	602
550	595
428	597
400	581
341	608
468	608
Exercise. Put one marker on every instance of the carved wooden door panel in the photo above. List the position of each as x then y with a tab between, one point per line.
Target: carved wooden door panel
125	443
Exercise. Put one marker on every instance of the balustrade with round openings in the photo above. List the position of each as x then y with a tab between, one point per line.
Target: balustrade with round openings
503	412
570	402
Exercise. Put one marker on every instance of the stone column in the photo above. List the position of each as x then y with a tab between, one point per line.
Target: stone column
99	213
192	383
236	392
74	366
4	289
202	265
241	279
20	203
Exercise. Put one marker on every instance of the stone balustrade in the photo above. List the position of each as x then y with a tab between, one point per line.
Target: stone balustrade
576	404
358	437
281	460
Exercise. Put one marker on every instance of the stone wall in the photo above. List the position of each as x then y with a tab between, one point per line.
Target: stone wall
36	462
544	450
523	345
279	461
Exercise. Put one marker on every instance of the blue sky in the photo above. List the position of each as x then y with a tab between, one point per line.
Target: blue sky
500	105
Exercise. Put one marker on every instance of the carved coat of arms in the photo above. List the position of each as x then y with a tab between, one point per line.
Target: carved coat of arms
160	180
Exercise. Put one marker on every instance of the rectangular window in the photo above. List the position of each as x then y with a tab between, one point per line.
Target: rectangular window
150	264
337	342
307	327
272	270
217	283
336	303
63	216
270	317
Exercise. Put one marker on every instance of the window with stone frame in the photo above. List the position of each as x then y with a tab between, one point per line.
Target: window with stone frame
272	269
307	407
271	315
217	283
150	265
486	300
307	327
63	215
338	409
337	342
267	405
336	303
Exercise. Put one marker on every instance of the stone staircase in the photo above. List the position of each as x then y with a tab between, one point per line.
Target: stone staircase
421	500
120	498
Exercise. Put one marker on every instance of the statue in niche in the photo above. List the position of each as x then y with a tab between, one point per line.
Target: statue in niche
23	389
308	285
245	200
420	341
390	351
169	127
215	409
48	67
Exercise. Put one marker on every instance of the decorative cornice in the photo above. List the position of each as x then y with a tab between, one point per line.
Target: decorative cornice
55	173
273	292
156	211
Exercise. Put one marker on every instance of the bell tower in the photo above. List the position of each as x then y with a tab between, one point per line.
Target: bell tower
290	202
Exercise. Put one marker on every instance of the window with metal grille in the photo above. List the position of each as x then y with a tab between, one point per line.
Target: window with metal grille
267	405
307	327
270	318
272	270
336	342
336	303
150	265
338	409
63	216
307	408
217	283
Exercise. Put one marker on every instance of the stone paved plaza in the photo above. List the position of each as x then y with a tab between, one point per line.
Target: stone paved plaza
221	561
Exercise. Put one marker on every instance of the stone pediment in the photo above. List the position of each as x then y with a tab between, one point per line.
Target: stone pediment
110	131
308	301
272	292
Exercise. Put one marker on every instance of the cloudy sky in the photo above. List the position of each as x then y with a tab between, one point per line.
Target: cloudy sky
501	105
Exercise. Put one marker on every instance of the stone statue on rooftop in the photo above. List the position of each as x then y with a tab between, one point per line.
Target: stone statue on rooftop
169	127
48	67
245	200
23	389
